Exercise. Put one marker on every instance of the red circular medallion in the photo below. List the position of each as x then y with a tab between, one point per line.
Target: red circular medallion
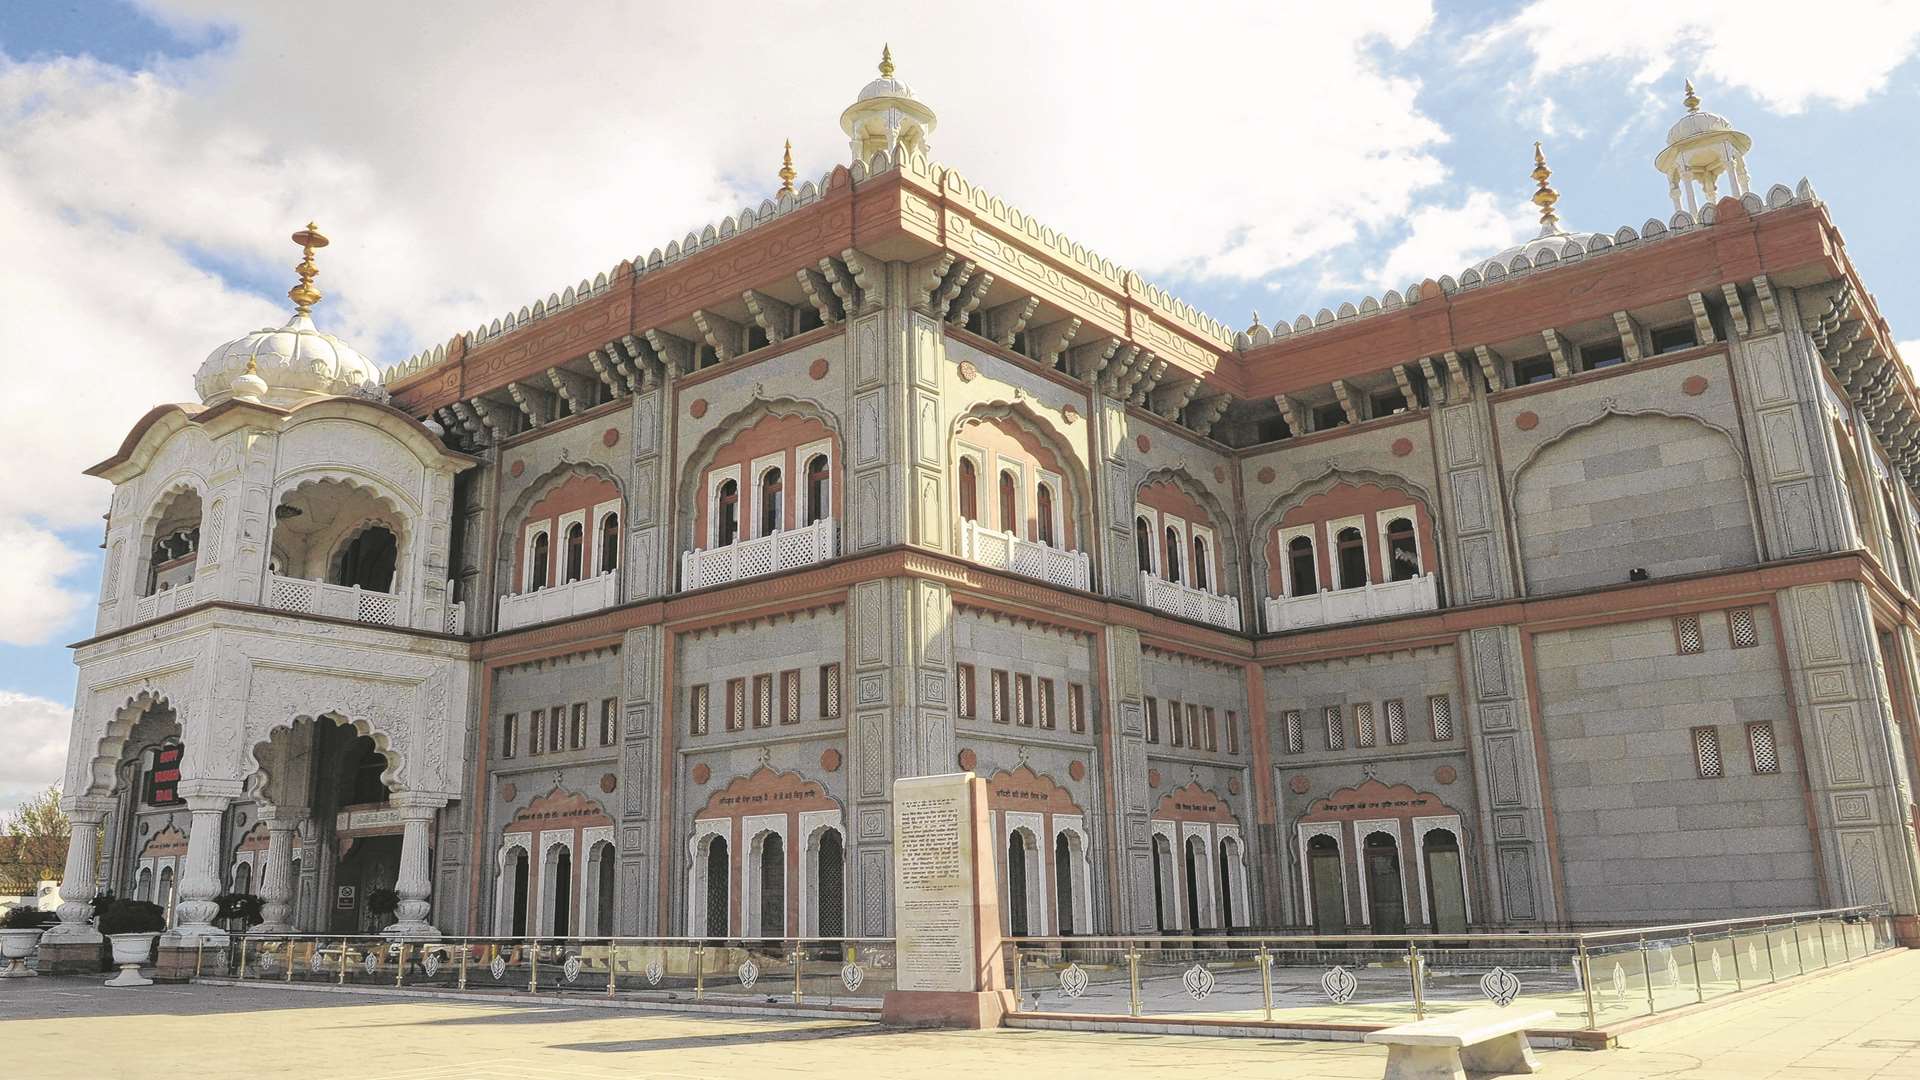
1219	474
1300	785
1265	475
1445	774
1153	778
508	791
1527	421
1694	386
830	759
1145	444
608	782
1077	769
517	468
610	437
818	369
1402	447
698	408
1069	413
968	760
701	774
969	371
1233	785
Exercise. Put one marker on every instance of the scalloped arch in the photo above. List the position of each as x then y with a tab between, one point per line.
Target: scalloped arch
1227	543
728	429
1039	427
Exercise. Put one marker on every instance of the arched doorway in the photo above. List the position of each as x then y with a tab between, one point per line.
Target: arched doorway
1327	885
1063	884
519	894
368	560
1017	886
601	861
1226	886
556	880
1386	905
717	887
1162	869
1446	889
773	886
1196	852
829	870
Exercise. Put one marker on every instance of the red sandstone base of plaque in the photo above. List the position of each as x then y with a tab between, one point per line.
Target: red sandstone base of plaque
946	1008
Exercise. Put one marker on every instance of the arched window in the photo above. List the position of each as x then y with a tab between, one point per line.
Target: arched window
1226	887
1143	544
717	900
1173	555
601	858
561	891
819	489
1352	551
1403	552
576	550
1063	884
368	560
243	878
1017	887
773	503
1196	869
969	490
773	886
520	893
1302	567
1009	502
1043	504
609	542
1200	580
830	871
537	568
727	529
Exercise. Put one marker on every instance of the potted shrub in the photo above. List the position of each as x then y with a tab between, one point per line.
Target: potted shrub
20	930
382	903
132	926
242	908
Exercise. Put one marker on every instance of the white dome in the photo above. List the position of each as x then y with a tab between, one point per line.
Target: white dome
885	86
1555	242
296	361
1697	123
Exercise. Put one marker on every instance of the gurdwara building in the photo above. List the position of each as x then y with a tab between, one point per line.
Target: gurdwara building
1573	587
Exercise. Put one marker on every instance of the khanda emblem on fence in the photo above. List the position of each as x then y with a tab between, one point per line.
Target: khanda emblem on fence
655	972
1073	980
852	976
1500	986
571	969
1715	957
498	969
1339	984
749	973
1198	982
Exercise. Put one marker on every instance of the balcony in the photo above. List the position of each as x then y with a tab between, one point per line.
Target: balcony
1028	558
456	614
335	601
773	553
1372	601
160	604
560	601
1190	603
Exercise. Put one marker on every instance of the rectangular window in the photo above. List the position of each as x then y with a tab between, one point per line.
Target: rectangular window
763	701
1327	417
1023	705
1602	354
510	735
537	729
557	728
1153	720
1233	732
829	691
1706	753
1176	724
998	689
1336	729
1193	725
1396	722
697	710
1076	708
963	690
1741	628
578	735
1536	369
1046	704
1296	737
1213	729
609	720
1440	717
1766	756
736	704
1363	734
1686	633
1674	338
790	696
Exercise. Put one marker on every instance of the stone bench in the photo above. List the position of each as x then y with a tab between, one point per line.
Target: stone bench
1444	1047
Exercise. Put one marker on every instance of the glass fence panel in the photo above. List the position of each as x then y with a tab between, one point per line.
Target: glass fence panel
1191	979
748	970
1453	979
1342	982
1617	973
855	973
1753	957
1091	979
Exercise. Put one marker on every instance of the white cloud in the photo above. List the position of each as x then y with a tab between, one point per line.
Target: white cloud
34	731
1840	54
1444	239
37	606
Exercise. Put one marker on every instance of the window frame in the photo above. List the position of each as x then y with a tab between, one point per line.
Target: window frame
699	708
609	721
737	703
802	458
510	735
1694	746
791	696
1288	582
1382	519
831	692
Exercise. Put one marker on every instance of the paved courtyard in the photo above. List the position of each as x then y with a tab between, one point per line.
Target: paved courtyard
1858	1023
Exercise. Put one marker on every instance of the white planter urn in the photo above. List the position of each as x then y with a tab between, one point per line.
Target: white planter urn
15	947
130	951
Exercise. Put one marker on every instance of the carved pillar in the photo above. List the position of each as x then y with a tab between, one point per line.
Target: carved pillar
77	884
200	878
276	879
414	884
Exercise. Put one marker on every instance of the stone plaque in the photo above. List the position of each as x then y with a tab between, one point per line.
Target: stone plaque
936	882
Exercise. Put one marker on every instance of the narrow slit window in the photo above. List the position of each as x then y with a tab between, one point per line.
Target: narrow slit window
1336	729
763	701
1233	732
1023	705
790	696
697	710
736	704
609	720
1212	728
1363	732
1742	629
1440	716
537	730
1706	753
1153	720
963	690
1396	722
1686	632
1193	726
830	691
579	732
1766	754
1076	708
998	691
1296	736
1176	725
1046	704
510	735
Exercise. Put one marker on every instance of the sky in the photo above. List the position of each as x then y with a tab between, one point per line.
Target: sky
467	159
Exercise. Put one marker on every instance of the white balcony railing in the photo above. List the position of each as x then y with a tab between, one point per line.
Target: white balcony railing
1352	605
456	614
163	603
560	601
1189	602
789	549
335	601
1028	558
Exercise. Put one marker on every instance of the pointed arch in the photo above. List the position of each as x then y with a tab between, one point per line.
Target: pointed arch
690	499
509	554
1052	452
1226	546
1268	554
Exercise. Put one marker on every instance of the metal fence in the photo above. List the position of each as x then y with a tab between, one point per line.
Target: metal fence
854	972
1589	979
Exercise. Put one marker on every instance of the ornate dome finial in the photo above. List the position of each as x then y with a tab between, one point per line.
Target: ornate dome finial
1692	100
304	295
886	61
786	170
1545	196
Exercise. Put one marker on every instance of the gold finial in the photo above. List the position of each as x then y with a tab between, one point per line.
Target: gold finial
886	61
304	295
786	170
1545	197
1692	100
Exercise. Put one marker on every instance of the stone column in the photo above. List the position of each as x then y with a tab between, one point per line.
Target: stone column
415	883
77	885
276	879
200	878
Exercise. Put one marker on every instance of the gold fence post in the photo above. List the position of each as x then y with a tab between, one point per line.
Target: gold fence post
1646	975
1733	946
1846	947
242	976
1586	983
798	950
466	947
200	953
533	967
610	962
343	961
1015	946
700	971
1266	980
1413	973
400	967
1132	957
289	959
1693	961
